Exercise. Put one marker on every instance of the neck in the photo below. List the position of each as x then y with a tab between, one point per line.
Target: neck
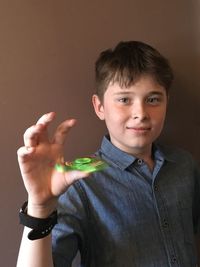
150	163
146	156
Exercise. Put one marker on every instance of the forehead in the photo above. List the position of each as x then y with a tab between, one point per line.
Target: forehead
144	85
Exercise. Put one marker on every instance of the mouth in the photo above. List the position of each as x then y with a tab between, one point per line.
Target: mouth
139	129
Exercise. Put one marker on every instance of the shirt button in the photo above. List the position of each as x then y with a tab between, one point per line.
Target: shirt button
155	187
165	224
173	259
140	161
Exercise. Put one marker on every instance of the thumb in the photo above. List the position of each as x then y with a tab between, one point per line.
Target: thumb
72	176
61	181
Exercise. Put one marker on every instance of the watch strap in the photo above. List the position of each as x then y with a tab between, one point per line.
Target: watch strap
40	227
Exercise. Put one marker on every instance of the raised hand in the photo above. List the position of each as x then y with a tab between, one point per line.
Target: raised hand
37	159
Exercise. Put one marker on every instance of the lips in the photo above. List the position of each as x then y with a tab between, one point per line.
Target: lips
142	128
137	129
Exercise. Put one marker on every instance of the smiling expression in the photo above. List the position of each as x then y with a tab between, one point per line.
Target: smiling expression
134	116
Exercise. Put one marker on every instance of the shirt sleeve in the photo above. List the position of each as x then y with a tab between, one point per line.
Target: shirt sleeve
69	235
196	206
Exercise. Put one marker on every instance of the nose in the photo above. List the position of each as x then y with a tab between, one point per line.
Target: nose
139	111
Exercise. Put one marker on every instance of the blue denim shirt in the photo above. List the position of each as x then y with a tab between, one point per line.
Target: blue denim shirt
127	216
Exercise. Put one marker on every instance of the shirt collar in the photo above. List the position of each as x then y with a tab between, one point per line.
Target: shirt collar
167	152
117	157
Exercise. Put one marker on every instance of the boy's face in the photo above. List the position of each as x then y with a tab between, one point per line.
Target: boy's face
134	116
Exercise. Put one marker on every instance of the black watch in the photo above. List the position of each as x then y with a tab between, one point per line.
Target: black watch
40	227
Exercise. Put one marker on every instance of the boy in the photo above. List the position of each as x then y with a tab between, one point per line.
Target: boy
143	209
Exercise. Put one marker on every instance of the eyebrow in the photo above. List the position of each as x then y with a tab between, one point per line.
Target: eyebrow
149	93
156	93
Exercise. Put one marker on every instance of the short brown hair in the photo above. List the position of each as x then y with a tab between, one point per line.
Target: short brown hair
127	62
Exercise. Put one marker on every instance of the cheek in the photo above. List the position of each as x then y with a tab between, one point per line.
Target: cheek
159	117
161	120
114	120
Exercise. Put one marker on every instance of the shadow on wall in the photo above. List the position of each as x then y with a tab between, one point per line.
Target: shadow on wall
182	126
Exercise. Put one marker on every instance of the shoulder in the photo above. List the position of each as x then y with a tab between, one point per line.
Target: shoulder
176	154
180	158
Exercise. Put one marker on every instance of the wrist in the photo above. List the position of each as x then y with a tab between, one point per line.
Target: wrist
41	227
40	210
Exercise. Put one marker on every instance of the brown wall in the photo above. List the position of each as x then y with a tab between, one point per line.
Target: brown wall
47	52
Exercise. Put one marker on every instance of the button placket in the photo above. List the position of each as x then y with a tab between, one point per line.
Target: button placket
173	259
165	223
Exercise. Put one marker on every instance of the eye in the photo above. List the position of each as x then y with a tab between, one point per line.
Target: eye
153	100
124	100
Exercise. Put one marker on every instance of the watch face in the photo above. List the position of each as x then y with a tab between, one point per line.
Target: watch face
87	164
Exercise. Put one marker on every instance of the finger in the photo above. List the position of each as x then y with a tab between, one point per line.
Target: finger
73	176
37	132
32	134
66	179
62	131
24	152
46	118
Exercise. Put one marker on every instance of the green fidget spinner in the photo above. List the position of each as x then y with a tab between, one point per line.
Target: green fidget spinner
89	164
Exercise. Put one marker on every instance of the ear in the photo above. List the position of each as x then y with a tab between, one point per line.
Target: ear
98	107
